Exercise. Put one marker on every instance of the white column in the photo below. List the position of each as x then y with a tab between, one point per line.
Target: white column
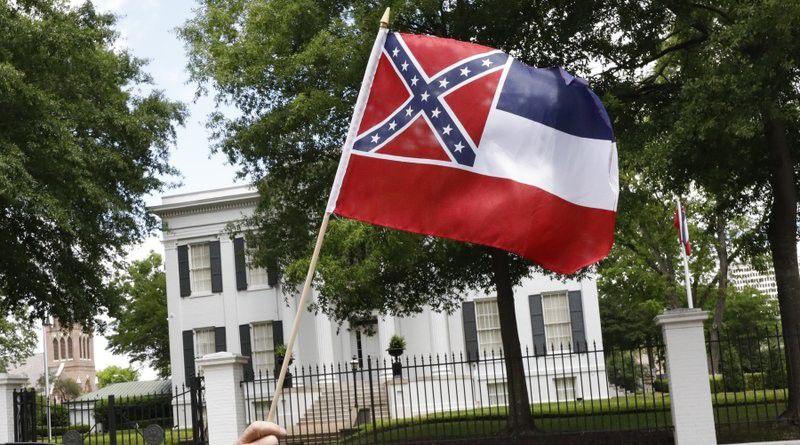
8	383
225	403
324	331
439	333
687	368
386	329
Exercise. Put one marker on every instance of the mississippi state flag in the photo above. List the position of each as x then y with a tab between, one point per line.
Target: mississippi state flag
683	229
461	141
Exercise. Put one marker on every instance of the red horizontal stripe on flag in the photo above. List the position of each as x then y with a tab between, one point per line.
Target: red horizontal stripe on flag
465	206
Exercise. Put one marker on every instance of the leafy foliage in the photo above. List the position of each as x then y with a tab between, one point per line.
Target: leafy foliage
17	341
116	374
65	388
141	329
79	149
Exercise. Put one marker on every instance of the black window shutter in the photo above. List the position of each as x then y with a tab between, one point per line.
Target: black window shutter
272	273
537	325
471	346
277	332
216	266
183	270
247	350
219	339
188	355
576	320
241	263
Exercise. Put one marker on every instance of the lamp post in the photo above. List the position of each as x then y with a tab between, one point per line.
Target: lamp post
354	366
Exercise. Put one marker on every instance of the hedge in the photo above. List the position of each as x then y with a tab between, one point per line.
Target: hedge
41	430
137	410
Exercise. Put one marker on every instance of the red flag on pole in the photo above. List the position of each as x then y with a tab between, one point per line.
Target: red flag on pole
462	141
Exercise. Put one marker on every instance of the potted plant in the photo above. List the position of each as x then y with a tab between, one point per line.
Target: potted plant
397	345
280	353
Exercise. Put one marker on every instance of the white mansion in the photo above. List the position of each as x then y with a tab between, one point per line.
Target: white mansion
218	302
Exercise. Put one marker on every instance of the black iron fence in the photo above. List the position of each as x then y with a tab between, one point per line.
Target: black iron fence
610	395
172	417
748	380
607	393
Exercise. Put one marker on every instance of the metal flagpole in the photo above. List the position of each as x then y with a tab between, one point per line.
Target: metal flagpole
45	323
358	112
681	220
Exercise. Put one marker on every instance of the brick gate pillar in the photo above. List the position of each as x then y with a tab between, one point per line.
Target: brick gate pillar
225	403
687	367
8	383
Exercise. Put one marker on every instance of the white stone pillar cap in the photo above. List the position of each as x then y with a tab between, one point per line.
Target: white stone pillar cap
13	379
682	316
221	359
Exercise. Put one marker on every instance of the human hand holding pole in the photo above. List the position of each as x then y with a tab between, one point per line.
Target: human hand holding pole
261	433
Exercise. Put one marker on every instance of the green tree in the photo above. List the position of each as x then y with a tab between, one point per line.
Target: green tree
79	150
65	389
295	87
116	374
140	329
708	95
17	341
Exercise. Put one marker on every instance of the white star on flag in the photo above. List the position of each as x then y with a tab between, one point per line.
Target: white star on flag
424	96
392	125
409	110
405	66
375	138
395	52
414	80
465	71
436	112
486	62
443	83
458	147
447	129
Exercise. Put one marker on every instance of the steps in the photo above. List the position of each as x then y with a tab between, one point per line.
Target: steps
335	409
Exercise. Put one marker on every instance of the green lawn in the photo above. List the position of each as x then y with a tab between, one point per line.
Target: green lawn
131	437
743	414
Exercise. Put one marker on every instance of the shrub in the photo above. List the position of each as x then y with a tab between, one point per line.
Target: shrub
41	430
661	384
624	370
397	342
731	368
137	410
775	372
754	380
59	415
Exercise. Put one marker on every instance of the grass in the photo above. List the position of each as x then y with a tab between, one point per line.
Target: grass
747	414
131	437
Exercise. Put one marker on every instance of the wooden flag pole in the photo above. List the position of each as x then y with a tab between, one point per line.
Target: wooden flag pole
686	275
358	112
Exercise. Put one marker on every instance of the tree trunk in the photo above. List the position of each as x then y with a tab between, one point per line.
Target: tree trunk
520	420
782	233
722	291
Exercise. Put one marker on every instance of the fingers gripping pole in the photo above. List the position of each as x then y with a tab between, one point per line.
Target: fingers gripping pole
301	306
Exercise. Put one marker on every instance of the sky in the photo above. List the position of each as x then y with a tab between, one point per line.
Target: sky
147	30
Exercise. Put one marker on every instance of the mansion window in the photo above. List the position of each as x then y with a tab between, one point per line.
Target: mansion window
204	342
557	326
263	344
565	388
56	355
488	324
200	268
256	276
498	393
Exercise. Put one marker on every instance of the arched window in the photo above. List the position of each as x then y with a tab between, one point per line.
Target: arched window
69	347
55	349
63	349
88	347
